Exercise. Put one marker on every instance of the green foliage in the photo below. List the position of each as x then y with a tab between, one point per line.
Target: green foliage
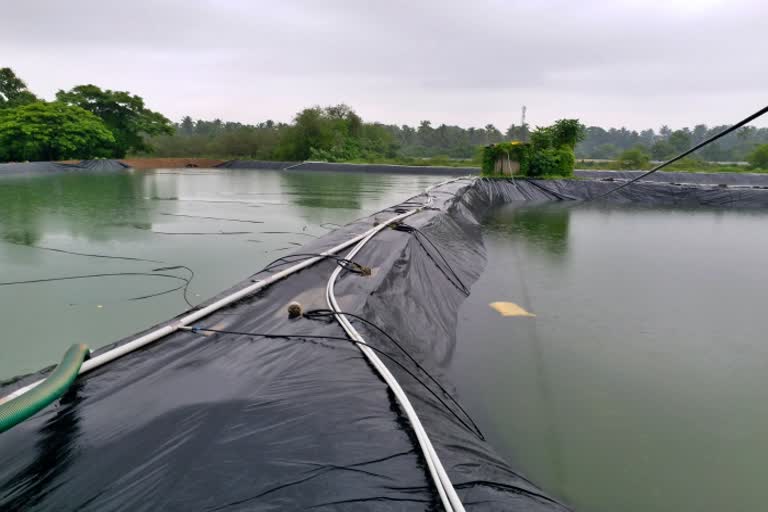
124	115
759	157
51	131
552	162
516	151
567	133
334	134
635	158
13	90
550	152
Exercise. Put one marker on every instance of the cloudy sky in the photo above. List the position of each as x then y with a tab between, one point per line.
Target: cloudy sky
637	63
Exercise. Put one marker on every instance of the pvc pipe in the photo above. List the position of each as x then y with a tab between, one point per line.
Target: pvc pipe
161	332
442	481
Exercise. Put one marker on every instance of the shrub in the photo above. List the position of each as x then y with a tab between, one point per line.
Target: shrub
634	158
758	159
552	162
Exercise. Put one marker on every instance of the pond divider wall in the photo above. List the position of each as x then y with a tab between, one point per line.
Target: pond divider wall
201	420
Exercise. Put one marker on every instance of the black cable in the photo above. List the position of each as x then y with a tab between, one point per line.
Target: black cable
327	313
339	338
186	285
287	233
211	218
200	233
187	281
346	264
453	277
53	249
694	148
115	274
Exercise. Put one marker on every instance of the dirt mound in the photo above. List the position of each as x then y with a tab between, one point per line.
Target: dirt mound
171	163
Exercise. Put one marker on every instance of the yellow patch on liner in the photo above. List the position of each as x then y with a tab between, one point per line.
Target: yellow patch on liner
510	309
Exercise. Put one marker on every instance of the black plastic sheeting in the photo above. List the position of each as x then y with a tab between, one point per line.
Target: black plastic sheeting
229	422
103	165
43	168
714	178
340	167
256	164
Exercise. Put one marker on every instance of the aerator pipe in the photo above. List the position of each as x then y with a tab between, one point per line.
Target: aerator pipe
155	335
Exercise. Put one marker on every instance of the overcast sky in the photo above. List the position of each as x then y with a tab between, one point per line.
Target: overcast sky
637	63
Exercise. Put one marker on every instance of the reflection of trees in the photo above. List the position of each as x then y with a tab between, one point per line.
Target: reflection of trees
543	226
83	203
320	189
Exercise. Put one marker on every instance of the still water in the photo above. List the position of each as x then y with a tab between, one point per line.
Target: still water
640	384
222	224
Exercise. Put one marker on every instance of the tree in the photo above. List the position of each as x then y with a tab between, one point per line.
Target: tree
634	158
759	157
680	140
662	150
13	90
124	115
52	131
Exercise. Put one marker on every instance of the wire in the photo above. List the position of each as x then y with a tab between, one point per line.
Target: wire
117	274
346	264
452	277
53	249
475	430
327	313
215	233
211	218
686	153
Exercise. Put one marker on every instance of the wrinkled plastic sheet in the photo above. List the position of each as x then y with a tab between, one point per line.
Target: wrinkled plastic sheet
202	421
340	167
44	168
715	178
231	422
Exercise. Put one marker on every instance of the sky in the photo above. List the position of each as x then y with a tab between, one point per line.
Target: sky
632	63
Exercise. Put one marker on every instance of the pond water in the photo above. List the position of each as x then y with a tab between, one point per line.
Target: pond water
222	224
640	383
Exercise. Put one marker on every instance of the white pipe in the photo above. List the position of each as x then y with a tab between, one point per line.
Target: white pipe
155	335
445	489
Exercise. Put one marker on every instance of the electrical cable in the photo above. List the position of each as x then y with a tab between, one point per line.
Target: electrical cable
700	145
453	277
346	264
354	342
330	315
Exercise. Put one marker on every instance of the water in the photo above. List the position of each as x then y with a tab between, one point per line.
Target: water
640	384
154	215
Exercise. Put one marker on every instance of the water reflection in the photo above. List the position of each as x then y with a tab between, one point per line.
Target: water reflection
82	205
544	226
314	189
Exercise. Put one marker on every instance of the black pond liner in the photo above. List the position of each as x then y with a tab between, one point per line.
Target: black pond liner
43	168
229	422
341	167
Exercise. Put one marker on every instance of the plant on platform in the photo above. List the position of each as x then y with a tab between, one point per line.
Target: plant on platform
515	150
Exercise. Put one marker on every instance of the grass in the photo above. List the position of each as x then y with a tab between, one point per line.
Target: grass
684	165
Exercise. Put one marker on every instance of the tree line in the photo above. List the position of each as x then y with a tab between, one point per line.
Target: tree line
81	123
271	140
88	122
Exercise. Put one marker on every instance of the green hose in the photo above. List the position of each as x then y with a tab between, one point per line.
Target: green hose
22	407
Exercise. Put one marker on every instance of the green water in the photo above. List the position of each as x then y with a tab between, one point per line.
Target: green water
641	383
152	215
